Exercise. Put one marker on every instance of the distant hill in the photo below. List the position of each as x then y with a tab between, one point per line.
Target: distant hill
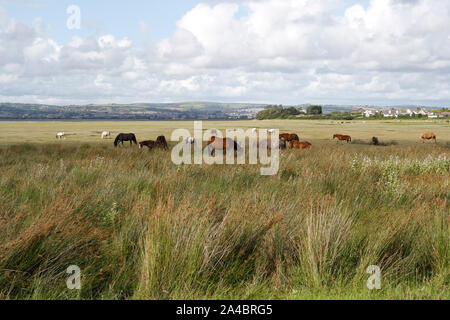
145	111
137	111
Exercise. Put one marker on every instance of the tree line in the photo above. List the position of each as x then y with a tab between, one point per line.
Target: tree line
280	112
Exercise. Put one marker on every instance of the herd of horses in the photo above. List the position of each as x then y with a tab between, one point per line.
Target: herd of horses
286	140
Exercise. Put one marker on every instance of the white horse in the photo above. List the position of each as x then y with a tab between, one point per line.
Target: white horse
60	135
106	134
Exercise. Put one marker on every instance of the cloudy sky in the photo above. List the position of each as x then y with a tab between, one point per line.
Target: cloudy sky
379	52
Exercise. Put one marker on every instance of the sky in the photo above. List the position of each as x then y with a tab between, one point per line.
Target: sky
378	52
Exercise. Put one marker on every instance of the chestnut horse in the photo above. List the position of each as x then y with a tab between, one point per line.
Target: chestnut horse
288	137
300	145
222	144
342	137
429	136
159	143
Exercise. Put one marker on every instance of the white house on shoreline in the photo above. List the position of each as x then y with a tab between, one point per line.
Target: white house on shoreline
395	113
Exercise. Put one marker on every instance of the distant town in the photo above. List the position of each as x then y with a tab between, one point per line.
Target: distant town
401	112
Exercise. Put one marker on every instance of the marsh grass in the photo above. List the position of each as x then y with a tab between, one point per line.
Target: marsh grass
140	227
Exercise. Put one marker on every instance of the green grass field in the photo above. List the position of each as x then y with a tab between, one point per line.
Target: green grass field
140	227
317	132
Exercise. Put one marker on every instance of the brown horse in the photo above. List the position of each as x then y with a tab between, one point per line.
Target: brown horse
342	137
222	144
288	137
299	145
375	141
429	136
159	143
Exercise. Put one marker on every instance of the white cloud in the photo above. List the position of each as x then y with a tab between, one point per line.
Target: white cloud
289	51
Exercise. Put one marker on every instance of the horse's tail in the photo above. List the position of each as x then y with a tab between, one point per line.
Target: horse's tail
116	141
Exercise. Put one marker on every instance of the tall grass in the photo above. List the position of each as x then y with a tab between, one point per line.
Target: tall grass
140	227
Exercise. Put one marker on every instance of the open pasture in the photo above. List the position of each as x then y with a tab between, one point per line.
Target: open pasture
140	227
317	132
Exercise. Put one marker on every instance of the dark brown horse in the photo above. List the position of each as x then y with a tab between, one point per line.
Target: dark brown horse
222	144
125	137
288	137
375	141
159	143
299	145
342	137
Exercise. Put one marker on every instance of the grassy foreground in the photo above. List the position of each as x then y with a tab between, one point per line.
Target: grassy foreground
140	227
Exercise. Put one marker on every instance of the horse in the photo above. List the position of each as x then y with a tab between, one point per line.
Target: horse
375	141
159	143
125	137
288	137
429	136
106	134
342	137
60	135
299	145
222	144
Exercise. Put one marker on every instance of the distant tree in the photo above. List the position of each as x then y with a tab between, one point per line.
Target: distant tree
314	110
277	112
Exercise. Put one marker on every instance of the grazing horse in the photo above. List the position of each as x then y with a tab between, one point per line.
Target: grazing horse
429	136
342	137
60	135
288	137
159	143
222	144
106	134
299	145
375	141
125	137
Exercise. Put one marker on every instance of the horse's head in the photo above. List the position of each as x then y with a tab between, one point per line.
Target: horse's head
212	139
